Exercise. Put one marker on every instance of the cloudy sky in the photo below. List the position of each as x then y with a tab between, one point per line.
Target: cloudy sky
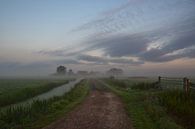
143	37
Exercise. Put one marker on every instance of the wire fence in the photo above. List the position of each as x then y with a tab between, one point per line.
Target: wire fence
192	86
176	83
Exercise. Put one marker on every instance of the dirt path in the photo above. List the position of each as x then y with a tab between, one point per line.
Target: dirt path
100	110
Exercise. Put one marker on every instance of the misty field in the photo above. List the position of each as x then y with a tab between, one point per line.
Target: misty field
16	90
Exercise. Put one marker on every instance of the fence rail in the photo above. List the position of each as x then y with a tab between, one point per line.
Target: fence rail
183	83
170	78
192	86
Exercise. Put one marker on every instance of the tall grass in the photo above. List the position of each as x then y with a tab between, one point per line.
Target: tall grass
119	84
130	84
180	106
26	91
40	113
17	117
143	107
145	86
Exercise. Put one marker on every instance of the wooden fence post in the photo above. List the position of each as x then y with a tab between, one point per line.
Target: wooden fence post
188	86
184	84
159	79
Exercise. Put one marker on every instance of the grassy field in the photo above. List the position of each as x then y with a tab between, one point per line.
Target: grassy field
148	106
16	90
151	108
41	113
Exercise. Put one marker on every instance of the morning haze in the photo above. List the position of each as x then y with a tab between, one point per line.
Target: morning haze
97	64
142	37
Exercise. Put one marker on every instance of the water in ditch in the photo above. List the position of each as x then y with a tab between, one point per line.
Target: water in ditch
58	91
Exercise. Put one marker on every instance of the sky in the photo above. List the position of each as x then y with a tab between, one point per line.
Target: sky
143	37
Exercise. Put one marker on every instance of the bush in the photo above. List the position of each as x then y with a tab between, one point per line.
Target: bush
145	86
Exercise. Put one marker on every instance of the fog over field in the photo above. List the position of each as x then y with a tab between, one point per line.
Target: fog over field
143	37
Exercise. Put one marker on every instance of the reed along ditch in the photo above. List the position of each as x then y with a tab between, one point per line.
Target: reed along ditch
55	92
43	109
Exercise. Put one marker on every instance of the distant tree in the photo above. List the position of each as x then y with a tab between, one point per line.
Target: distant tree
115	72
61	70
70	72
82	72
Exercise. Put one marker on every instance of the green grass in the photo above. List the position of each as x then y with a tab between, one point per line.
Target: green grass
142	105
180	106
41	113
145	86
128	84
16	90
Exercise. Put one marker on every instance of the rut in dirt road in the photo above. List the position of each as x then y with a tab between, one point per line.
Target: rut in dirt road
100	110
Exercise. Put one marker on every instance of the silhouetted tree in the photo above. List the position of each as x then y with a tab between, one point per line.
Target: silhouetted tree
70	72
61	70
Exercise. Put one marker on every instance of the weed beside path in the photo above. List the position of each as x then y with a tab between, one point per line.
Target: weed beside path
143	106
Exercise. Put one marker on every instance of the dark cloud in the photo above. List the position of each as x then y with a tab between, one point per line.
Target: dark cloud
174	38
59	53
175	32
94	59
123	45
67	61
139	14
52	52
160	56
103	60
175	29
181	41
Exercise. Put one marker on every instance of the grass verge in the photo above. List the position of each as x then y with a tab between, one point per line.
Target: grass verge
180	106
41	113
142	105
